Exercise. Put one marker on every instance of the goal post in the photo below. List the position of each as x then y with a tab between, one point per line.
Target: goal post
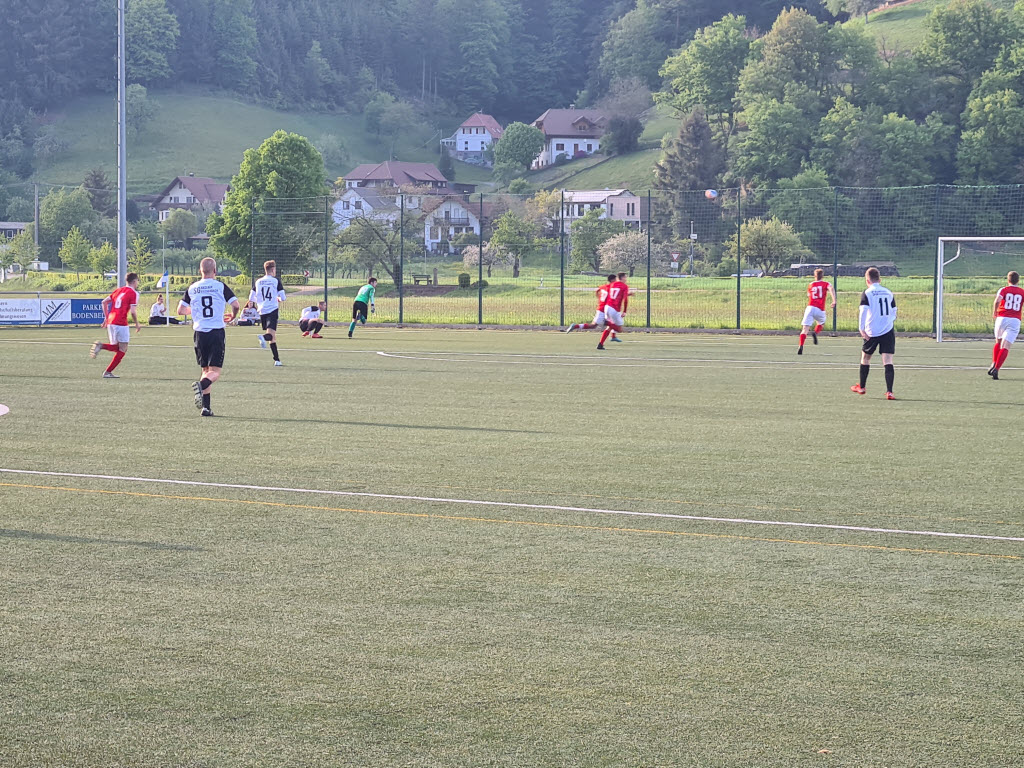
950	248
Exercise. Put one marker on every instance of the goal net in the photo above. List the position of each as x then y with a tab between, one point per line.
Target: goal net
969	271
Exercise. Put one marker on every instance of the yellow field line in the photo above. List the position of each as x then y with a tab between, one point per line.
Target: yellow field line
499	521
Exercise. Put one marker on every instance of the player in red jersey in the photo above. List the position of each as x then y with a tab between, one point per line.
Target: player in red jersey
599	318
116	308
1006	311
615	307
815	312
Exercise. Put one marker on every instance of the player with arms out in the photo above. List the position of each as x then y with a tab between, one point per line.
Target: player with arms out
615	308
310	322
364	300
1006	311
116	308
815	312
877	316
268	293
599	318
207	301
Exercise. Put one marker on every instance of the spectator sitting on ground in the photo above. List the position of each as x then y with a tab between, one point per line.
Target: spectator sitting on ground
158	314
250	314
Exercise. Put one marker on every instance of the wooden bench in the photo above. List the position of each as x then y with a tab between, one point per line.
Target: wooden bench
417	279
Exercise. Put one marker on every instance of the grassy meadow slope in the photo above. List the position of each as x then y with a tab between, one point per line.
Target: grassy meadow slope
904	26
206	133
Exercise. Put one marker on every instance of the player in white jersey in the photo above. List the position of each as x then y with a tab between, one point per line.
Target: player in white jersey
877	316
310	323
207	301
268	293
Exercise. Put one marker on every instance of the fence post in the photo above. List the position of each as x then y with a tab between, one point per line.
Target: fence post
739	248
561	260
648	258
935	277
480	268
835	256
327	243
35	215
252	239
401	259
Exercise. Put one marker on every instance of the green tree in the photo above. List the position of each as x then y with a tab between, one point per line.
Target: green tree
74	251
101	192
514	237
776	140
519	145
179	226
622	135
965	37
286	165
693	160
139	109
992	144
140	256
59	211
493	256
22	249
151	33
445	165
586	235
634	46
20	209
768	244
103	258
374	111
706	73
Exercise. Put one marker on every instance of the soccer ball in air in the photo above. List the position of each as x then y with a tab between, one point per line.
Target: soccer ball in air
711	194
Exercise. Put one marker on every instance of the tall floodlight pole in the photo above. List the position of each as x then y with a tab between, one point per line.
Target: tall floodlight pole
122	174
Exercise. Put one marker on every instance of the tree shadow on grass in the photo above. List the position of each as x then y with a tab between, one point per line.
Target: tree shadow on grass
36	536
380	425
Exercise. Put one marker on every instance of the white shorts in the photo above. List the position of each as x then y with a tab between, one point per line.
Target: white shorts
119	334
814	315
612	316
1007	329
599	317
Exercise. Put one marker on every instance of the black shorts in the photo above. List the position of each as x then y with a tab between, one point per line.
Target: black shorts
269	321
886	344
210	346
359	308
305	325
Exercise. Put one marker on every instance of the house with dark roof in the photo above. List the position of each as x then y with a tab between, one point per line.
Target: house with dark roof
11	229
189	192
569	133
471	140
380	205
424	178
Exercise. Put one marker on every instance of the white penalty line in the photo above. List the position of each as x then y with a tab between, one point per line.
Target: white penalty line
515	505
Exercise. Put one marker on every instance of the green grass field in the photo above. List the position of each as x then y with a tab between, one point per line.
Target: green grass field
905	26
533	555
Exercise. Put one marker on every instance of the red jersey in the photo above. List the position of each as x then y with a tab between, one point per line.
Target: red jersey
1010	300
121	301
816	293
602	297
618	296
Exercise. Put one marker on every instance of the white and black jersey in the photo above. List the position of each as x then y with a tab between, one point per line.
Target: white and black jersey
877	310
208	299
310	313
268	293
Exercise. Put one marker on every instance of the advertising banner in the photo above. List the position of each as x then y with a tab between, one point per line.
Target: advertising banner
51	311
19	311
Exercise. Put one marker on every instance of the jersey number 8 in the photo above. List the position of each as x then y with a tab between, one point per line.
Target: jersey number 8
207	303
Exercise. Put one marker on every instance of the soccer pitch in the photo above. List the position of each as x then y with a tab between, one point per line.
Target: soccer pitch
485	548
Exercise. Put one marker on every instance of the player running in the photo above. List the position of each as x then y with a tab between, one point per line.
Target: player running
815	312
363	299
1006	311
599	318
615	308
877	316
207	300
268	293
310	323
116	308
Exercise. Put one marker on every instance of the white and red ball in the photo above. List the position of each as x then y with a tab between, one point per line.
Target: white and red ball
711	194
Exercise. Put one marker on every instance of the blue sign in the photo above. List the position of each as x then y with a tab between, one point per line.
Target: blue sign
87	311
71	311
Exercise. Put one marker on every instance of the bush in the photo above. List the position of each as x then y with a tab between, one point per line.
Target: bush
480	284
58	287
294	279
464	280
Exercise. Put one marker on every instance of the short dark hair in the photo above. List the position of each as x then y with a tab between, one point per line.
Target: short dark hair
612	278
129	277
1013	277
819	273
622	275
373	280
872	274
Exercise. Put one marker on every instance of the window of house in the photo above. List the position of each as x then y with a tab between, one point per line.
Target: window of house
358	205
191	199
590	147
579	209
163	215
435	233
559	147
467	145
611	209
345	205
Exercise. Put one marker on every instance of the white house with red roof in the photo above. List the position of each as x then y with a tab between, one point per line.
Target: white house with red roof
569	133
190	192
394	173
471	140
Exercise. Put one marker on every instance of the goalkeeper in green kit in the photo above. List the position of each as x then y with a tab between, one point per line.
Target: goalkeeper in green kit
364	301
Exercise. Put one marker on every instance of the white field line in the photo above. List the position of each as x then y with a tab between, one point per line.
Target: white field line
514	505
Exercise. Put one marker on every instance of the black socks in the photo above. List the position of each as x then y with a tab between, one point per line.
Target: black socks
864	374
273	351
204	384
206	401
890	375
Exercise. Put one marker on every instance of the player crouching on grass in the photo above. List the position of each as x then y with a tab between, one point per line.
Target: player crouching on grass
815	312
599	318
116	308
310	323
363	299
877	316
1006	311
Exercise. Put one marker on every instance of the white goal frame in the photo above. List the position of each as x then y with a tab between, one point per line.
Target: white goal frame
941	262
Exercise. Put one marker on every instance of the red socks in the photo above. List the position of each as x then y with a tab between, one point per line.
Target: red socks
1002	358
587	326
604	336
110	347
118	357
803	338
818	328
